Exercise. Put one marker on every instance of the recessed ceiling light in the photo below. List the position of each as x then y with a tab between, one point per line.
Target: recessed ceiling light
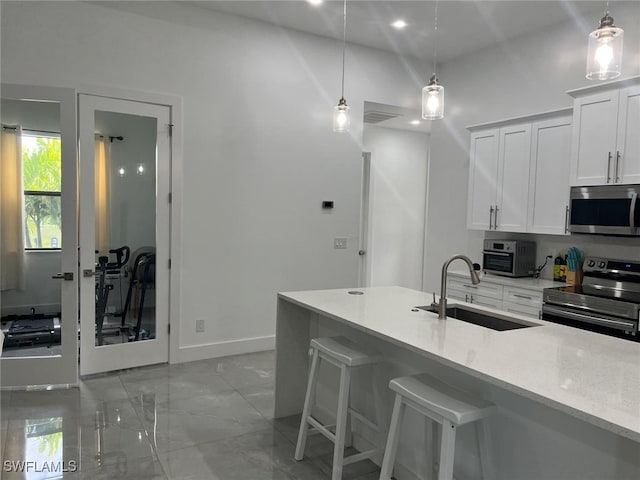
399	24
415	122
315	3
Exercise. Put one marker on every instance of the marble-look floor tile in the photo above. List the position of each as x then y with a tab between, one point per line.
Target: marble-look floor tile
264	455
175	386
103	388
261	397
188	421
247	370
43	404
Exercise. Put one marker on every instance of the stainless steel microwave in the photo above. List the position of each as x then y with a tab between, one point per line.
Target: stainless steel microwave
511	258
605	210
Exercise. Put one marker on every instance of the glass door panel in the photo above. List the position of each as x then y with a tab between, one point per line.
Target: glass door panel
38	230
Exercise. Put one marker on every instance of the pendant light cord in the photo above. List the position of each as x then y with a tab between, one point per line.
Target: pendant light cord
435	36
344	40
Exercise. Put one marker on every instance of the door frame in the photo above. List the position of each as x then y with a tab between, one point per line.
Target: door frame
175	187
21	372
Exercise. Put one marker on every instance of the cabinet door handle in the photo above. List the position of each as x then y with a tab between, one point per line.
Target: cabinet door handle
490	216
617	165
466	297
470	298
609	169
566	219
522	296
469	286
495	221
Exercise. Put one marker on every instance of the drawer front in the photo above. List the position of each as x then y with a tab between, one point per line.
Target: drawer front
485	301
523	296
533	312
454	294
485	289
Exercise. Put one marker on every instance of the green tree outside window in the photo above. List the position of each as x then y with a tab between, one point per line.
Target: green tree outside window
41	173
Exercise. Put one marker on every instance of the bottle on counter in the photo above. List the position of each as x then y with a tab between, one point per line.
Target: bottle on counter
563	270
557	264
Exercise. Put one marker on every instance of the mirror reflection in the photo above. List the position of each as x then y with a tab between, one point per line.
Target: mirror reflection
125	196
30	230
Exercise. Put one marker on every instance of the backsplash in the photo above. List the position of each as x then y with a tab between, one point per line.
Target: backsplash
625	248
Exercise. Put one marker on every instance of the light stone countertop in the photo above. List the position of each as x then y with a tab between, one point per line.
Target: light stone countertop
587	375
522	282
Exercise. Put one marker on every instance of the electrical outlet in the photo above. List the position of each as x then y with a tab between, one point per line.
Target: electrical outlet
199	326
340	243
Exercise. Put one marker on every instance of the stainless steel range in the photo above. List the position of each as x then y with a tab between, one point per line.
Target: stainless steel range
607	302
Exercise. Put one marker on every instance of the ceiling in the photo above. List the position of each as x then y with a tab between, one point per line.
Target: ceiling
463	26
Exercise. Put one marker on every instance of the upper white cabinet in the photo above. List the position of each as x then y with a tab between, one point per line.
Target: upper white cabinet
628	139
519	174
498	177
483	179
606	145
549	175
513	179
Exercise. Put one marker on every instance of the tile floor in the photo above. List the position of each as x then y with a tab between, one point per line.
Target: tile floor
211	419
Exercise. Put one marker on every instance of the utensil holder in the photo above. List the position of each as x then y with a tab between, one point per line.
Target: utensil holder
575	278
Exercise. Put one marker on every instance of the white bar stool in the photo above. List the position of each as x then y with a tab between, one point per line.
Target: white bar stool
345	355
442	404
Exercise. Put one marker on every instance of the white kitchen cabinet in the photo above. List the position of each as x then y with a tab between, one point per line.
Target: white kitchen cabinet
605	143
519	174
513	179
628	139
483	178
516	295
548	201
498	177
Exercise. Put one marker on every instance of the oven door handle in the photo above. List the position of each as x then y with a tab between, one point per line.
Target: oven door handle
501	254
597	320
632	212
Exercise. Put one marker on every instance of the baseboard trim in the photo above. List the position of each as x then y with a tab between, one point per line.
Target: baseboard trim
223	349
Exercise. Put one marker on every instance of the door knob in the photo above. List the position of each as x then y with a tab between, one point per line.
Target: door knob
361	252
67	276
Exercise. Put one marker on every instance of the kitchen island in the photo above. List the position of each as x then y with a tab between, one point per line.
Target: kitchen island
568	400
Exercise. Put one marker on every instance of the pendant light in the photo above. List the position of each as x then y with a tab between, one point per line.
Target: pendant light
341	115
433	93
604	57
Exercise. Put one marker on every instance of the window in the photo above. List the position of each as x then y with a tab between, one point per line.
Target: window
41	177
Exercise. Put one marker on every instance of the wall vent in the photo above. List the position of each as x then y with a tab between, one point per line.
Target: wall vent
377	117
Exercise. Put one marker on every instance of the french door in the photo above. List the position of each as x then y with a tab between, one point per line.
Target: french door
39	261
125	164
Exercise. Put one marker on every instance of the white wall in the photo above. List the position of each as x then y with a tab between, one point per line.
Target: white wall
526	75
259	153
398	187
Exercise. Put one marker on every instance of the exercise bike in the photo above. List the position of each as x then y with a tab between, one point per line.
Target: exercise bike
104	267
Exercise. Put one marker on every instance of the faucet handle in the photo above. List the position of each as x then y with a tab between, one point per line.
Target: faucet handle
434	298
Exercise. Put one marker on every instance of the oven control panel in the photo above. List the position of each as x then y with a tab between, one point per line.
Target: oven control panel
609	265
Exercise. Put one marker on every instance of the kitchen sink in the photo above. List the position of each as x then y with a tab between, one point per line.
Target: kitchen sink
481	318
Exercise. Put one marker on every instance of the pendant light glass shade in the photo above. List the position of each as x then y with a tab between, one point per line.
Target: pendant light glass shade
341	117
433	100
604	58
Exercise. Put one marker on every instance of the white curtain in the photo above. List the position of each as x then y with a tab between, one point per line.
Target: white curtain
11	210
101	195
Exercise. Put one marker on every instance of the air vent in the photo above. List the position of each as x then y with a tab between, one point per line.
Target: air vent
377	117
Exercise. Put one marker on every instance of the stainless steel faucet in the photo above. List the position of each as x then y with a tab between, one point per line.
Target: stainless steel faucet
442	311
